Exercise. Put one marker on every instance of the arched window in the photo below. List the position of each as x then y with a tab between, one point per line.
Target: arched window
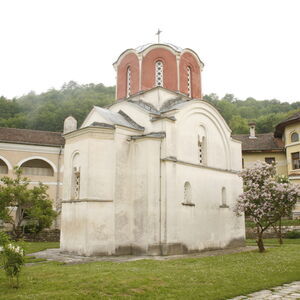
37	167
128	86
224	199
187	193
294	137
75	187
159	73
3	167
189	81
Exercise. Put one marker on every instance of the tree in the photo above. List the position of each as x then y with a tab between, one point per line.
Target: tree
32	207
264	199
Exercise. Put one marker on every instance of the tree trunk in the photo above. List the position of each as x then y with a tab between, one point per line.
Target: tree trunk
280	233
259	241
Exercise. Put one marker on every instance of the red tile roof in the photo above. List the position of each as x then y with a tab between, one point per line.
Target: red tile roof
31	137
262	142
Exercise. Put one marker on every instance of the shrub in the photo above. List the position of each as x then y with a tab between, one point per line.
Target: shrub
4	239
13	260
294	234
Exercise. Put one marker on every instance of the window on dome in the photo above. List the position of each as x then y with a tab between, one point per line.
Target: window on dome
159	73
128	87
294	137
189	81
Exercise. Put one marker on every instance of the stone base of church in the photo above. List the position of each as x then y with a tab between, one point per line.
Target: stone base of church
160	249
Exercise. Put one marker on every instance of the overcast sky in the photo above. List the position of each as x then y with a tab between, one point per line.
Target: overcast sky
249	47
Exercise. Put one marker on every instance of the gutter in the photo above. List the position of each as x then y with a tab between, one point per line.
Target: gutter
58	208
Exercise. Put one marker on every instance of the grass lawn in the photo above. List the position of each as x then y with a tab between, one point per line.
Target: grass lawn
218	277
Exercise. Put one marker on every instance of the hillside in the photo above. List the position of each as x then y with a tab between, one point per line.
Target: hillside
47	111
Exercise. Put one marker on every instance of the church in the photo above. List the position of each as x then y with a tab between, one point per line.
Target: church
156	172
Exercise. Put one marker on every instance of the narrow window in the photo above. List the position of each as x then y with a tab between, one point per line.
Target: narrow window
75	181
224	200
159	73
201	149
270	160
294	137
187	193
243	163
189	81
295	160
128	82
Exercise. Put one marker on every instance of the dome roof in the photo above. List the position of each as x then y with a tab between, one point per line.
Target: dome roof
143	47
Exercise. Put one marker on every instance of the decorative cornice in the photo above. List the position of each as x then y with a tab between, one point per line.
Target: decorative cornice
175	160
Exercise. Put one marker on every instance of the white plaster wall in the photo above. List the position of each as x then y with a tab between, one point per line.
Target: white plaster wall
87	226
187	140
204	225
146	193
236	155
101	166
124	171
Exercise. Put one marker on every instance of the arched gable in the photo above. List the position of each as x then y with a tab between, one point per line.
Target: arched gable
168	58
131	61
198	113
189	61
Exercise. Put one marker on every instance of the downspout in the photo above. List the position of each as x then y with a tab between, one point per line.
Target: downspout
160	202
58	208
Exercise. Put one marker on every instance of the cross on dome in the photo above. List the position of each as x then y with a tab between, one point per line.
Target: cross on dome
158	35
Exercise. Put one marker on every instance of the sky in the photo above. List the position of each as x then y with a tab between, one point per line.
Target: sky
250	48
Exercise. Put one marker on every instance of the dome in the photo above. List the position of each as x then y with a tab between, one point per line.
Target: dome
145	46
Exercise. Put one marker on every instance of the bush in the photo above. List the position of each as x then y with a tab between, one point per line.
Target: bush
294	234
4	239
13	260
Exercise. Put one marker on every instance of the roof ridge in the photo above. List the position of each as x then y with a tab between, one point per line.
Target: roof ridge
28	129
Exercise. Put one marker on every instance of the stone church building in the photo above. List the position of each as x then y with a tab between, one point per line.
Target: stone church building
156	172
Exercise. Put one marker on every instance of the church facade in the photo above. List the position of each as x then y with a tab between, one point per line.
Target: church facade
156	172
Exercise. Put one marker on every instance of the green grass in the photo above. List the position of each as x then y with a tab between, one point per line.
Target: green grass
218	277
31	247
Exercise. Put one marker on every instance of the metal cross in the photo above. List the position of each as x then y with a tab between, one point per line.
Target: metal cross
158	35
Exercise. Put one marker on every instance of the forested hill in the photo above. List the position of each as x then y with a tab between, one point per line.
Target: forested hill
48	110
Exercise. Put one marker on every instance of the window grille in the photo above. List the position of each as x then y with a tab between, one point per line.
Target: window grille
159	73
76	183
189	81
128	82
